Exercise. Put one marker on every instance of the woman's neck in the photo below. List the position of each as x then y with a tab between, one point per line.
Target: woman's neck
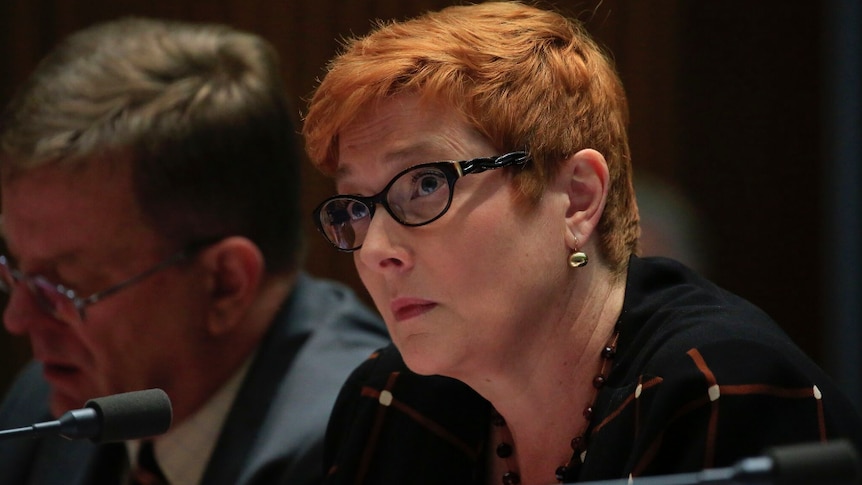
543	393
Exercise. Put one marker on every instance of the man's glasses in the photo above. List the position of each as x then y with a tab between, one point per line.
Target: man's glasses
63	303
416	196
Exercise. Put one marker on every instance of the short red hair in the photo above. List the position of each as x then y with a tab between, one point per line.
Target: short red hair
524	77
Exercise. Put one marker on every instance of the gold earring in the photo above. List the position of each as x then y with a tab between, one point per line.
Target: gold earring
578	258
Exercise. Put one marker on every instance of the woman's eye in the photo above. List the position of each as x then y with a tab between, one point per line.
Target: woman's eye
427	184
358	211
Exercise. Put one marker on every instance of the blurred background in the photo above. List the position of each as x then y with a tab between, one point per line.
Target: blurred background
745	132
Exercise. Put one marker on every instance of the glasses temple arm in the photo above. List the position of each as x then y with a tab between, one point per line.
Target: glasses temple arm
80	303
479	165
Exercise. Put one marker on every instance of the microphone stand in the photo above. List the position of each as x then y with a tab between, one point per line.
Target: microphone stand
78	423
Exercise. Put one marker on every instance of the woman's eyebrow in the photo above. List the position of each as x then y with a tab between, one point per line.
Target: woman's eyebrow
415	153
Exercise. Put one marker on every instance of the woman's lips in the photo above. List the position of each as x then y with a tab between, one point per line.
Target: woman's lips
404	309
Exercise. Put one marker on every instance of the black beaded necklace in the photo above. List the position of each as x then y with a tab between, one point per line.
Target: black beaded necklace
570	470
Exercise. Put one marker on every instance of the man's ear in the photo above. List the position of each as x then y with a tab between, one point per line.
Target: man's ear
236	269
586	180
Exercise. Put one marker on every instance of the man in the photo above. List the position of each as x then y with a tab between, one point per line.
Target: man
149	180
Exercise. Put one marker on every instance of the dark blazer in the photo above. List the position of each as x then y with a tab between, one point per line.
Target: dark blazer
701	379
274	430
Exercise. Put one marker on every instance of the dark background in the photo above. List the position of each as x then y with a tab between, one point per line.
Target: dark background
731	106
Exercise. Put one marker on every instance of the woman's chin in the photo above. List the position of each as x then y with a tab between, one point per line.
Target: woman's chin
421	364
426	360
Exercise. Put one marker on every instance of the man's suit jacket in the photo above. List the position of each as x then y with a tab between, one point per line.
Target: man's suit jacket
274	430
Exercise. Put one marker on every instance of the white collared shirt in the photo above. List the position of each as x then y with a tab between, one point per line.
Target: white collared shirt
184	451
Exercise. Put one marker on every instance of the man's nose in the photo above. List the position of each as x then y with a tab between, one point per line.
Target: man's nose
22	312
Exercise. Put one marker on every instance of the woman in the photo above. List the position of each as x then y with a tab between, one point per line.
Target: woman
483	166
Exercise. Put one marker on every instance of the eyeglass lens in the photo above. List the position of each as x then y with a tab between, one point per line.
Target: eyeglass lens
47	296
414	197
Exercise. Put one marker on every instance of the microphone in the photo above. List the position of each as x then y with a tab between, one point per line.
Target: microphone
118	417
832	463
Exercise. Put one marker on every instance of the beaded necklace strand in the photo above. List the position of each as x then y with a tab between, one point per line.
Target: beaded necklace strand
505	450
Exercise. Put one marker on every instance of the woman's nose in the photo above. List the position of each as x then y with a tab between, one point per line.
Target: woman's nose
383	248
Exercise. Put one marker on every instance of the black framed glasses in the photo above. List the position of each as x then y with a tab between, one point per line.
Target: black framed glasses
64	303
416	196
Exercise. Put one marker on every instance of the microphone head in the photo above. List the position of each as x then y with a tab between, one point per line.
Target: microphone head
832	463
132	415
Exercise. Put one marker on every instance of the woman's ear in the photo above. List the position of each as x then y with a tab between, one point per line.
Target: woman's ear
236	269
585	178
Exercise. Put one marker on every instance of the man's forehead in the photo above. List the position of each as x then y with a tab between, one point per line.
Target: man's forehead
51	209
